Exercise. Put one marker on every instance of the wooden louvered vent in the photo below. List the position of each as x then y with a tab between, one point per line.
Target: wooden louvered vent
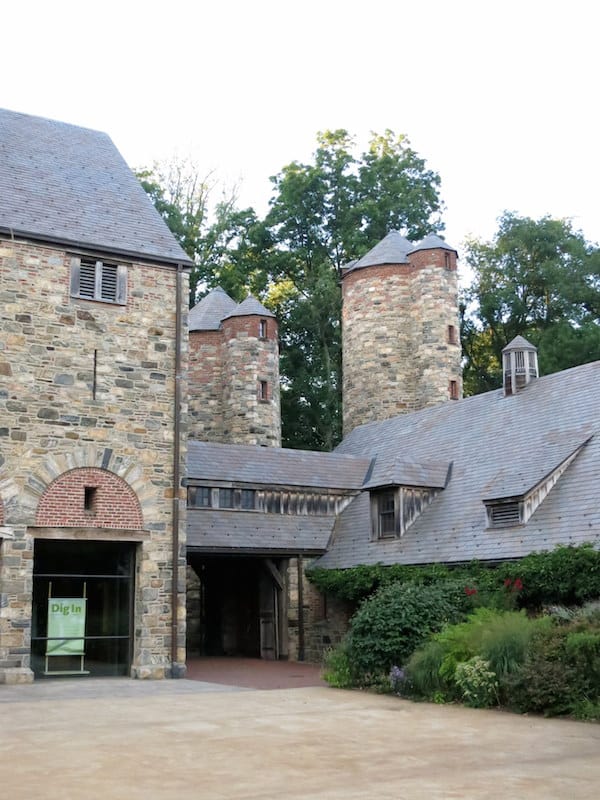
109	281
505	514
87	279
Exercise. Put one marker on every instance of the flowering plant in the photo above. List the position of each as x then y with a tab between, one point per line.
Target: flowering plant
397	679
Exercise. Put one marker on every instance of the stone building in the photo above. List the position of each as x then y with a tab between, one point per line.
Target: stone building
401	348
256	518
95	463
233	372
93	293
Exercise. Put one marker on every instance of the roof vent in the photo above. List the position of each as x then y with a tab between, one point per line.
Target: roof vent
519	365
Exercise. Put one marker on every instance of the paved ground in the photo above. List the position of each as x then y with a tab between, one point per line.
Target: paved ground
127	740
255	673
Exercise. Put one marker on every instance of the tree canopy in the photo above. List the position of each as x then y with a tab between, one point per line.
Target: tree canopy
322	214
537	278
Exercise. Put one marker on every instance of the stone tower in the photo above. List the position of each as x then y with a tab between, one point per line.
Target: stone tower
400	330
233	372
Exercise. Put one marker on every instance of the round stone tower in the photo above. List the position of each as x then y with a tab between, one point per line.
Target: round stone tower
400	334
251	402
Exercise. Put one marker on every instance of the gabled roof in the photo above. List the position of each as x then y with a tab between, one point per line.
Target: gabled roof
68	185
250	307
397	471
497	444
274	466
207	314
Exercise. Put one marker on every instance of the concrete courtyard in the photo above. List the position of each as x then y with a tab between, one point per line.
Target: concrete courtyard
116	738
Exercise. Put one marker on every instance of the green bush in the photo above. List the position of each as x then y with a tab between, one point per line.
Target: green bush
392	623
337	671
477	682
423	678
567	575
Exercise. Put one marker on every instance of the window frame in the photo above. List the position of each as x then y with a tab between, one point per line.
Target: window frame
100	280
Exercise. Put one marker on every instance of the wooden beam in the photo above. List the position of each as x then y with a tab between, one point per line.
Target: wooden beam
275	574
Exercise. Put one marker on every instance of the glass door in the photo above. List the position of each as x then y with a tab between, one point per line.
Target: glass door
82	608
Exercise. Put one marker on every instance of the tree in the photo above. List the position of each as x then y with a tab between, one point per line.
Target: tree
322	215
539	279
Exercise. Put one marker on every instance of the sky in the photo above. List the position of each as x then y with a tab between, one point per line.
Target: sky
499	98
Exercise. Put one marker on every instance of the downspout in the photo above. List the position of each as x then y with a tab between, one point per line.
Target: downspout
300	563
176	670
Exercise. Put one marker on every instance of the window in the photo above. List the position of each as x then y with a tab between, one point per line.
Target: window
386	515
449	262
89	499
226	498
97	280
247	499
262	329
393	511
452	336
453	390
199	497
263	391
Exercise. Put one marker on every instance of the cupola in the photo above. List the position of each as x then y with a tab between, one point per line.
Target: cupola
519	365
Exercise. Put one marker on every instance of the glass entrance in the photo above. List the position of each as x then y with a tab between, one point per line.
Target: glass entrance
82	608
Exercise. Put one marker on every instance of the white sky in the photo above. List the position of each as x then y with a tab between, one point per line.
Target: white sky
500	98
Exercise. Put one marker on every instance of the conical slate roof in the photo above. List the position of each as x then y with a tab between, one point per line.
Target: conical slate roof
519	343
249	307
392	249
432	242
208	313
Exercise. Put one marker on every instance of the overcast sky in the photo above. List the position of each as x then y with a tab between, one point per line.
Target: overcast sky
500	98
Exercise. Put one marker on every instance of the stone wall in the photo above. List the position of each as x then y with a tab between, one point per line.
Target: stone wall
205	380
248	360
88	385
397	357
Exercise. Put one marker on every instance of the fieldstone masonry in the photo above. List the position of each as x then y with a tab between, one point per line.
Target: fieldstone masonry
228	369
87	399
398	354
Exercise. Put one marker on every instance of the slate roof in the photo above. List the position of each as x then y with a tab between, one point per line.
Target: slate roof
249	307
496	444
247	531
432	242
392	249
274	466
396	471
65	184
519	343
207	314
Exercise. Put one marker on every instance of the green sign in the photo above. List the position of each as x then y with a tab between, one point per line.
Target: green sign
66	626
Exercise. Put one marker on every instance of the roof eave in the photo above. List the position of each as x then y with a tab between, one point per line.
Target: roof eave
135	255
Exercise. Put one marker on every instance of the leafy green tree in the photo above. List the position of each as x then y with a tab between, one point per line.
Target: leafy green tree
322	215
539	279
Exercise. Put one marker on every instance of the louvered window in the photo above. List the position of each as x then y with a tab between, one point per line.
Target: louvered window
96	280
504	514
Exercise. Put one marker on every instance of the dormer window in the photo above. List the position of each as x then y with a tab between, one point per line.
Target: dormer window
505	514
394	510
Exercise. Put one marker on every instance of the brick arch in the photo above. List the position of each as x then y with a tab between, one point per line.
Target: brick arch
89	497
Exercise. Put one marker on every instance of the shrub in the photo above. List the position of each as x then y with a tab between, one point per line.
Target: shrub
477	683
392	623
423	677
337	671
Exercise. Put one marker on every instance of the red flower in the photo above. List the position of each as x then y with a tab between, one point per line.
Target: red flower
507	582
470	591
518	585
